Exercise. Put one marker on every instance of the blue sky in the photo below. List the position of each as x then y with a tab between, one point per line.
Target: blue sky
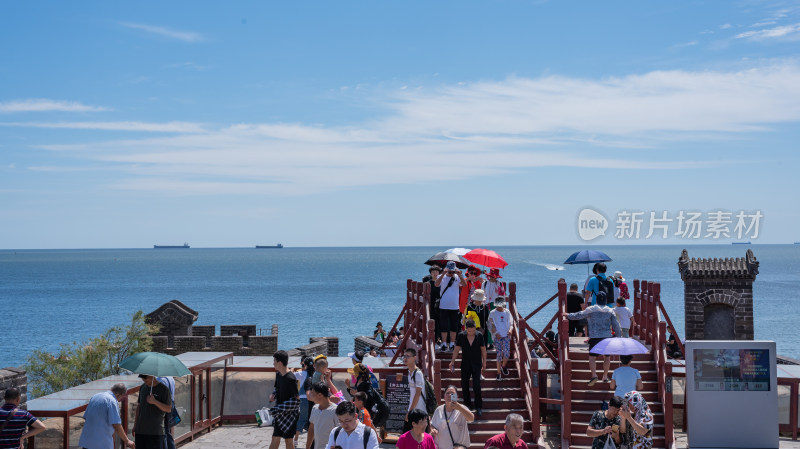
392	123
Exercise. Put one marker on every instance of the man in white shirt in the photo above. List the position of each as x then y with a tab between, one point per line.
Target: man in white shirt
500	324
351	433
416	385
323	415
449	283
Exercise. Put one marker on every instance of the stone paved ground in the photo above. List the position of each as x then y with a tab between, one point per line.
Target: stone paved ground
247	436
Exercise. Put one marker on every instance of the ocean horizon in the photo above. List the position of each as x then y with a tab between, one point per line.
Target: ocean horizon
58	296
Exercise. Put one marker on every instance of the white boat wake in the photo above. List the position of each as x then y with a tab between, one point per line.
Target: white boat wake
549	266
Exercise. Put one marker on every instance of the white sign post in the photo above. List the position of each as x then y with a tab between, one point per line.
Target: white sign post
732	394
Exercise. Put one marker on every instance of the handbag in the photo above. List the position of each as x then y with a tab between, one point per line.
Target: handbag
174	418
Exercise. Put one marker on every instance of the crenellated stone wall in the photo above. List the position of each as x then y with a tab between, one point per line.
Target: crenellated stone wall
14	377
365	344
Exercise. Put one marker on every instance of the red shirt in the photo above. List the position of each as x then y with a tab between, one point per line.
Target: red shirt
501	441
466	292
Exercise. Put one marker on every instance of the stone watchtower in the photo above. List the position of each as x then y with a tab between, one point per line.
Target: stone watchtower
718	297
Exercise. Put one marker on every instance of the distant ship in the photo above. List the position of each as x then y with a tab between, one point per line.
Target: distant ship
269	246
185	245
740	243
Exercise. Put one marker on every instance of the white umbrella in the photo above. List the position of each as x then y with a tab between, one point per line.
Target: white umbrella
458	251
619	346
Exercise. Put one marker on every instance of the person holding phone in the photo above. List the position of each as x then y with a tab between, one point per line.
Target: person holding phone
449	422
637	421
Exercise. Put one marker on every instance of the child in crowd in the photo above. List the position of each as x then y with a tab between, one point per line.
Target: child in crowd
360	401
625	317
324	375
625	378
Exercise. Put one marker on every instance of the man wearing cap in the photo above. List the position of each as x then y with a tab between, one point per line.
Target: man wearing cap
379	335
102	420
449	283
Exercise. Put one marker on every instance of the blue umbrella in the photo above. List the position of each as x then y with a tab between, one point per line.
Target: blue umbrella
587	256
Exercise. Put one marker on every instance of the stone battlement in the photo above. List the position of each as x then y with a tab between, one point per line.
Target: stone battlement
14	377
203	339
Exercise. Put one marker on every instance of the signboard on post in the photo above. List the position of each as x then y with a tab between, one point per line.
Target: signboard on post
722	379
397	396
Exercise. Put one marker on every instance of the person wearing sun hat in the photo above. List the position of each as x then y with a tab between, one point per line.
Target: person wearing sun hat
493	288
620	287
357	358
478	311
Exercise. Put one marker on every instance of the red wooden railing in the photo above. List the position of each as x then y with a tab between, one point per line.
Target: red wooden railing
526	367
653	331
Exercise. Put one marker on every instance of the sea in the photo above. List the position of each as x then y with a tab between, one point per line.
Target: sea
54	297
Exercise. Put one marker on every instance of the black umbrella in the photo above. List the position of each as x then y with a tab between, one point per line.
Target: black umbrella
443	257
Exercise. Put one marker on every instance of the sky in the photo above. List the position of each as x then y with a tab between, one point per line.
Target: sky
318	123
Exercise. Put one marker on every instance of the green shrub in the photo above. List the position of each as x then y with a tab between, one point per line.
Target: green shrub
78	363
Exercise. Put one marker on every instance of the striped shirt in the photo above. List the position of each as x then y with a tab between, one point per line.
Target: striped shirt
17	424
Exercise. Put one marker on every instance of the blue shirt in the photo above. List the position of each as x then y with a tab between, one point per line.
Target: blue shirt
101	415
170	383
594	286
626	378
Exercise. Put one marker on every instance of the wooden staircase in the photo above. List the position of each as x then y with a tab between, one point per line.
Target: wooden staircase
586	400
500	397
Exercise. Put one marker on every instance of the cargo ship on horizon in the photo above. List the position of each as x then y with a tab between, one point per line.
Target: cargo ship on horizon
185	245
269	246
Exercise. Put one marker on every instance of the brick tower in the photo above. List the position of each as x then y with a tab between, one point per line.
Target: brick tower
718	297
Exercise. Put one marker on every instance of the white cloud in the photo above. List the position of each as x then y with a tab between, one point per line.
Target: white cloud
471	129
725	26
185	36
169	127
45	105
784	32
12	166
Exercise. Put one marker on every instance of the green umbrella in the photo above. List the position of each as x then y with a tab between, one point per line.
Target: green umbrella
155	364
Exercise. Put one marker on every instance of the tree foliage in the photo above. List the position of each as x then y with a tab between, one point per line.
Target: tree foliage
78	363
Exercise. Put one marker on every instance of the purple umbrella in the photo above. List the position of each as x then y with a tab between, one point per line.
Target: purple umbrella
619	346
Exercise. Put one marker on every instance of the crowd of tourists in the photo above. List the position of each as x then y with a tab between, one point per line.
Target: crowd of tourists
471	318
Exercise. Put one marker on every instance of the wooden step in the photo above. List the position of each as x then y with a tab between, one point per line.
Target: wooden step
580	429
493	403
483	435
584	355
490	373
583	384
581	439
492	414
586	374
604	395
489	382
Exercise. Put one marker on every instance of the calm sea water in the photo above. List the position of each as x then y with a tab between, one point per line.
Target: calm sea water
61	296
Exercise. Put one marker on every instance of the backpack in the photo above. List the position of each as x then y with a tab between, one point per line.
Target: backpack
606	286
376	404
428	395
367	432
